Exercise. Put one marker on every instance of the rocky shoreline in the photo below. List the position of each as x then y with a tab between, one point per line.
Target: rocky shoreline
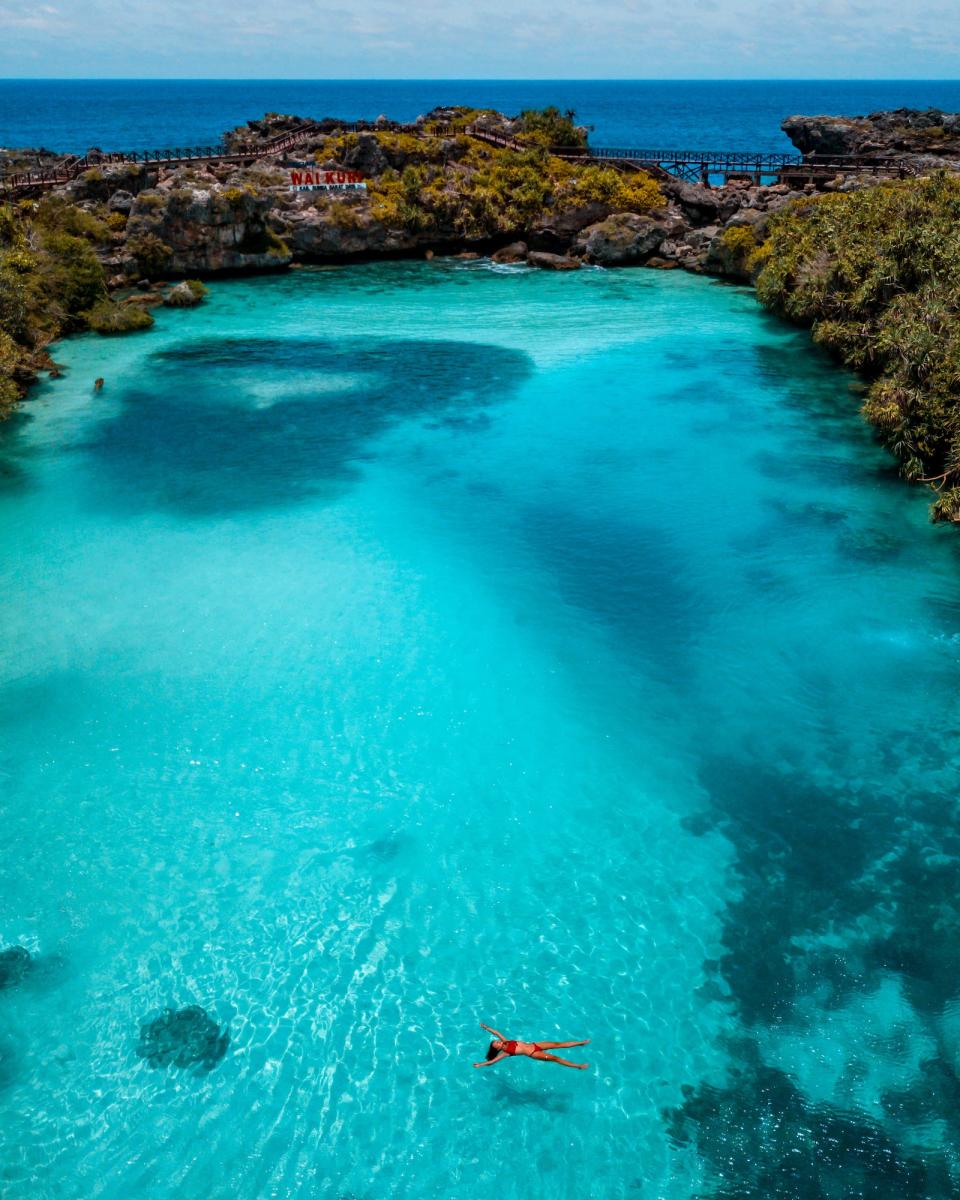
469	182
207	219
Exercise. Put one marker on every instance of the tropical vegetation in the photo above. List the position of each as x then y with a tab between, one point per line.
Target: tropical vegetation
876	273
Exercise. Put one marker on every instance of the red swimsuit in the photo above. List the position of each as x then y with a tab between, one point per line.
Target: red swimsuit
511	1048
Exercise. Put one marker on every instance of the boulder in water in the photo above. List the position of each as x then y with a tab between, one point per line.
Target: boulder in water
183	1037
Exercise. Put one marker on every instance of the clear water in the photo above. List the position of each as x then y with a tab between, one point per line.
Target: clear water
392	648
734	114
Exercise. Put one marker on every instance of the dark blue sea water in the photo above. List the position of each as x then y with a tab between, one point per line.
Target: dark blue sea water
118	114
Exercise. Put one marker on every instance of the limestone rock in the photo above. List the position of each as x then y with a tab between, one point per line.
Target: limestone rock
552	262
909	132
515	252
698	203
182	296
120	201
208	229
367	155
623	239
562	228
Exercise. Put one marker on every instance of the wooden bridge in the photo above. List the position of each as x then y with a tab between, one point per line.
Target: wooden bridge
699	166
694	166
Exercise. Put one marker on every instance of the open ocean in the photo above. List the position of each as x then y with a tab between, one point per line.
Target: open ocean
136	114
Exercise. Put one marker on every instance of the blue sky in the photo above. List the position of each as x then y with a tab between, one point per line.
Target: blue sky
481	39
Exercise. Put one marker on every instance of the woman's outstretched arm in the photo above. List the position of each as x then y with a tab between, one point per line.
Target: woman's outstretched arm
496	1032
490	1061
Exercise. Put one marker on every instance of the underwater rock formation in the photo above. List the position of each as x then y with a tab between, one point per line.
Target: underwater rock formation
185	1038
761	1139
18	965
15	965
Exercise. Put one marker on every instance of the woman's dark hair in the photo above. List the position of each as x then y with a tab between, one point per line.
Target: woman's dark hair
492	1053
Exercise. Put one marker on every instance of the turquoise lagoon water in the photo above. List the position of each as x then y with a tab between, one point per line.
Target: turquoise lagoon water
395	647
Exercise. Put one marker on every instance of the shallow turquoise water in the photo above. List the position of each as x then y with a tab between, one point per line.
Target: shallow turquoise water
392	648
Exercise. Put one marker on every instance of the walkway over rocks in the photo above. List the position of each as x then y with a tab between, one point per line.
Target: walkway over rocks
696	166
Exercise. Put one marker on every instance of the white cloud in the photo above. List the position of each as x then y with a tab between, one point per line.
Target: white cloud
626	38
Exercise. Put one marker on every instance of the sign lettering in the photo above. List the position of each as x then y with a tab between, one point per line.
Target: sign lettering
314	179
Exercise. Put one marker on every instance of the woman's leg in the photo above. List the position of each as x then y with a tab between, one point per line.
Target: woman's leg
562	1061
561	1045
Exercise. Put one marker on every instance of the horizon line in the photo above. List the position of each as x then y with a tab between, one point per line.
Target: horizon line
473	79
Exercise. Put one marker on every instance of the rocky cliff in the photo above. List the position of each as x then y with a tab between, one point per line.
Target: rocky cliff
930	137
431	186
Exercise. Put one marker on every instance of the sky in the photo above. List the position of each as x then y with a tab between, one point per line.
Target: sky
481	39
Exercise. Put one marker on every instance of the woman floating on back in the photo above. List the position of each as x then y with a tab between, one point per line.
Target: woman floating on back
501	1047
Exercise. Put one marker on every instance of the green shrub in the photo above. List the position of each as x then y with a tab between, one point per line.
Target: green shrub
150	200
343	216
57	215
187	294
152	254
877	275
108	317
551	127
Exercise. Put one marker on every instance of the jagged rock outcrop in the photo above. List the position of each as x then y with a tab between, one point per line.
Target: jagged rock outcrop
204	229
99	183
924	134
338	230
623	239
201	218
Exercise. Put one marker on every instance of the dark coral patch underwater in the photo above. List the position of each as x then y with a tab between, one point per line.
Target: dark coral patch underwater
227	425
840	891
186	1038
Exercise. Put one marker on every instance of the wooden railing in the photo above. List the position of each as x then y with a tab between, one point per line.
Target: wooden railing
24	182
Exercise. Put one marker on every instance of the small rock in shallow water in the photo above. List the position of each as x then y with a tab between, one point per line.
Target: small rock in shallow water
185	1037
15	963
552	262
514	253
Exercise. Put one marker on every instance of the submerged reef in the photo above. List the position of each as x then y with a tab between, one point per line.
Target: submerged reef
186	1038
760	1139
15	965
845	927
18	965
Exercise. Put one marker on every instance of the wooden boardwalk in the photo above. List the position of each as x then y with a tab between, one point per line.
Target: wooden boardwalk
27	183
693	166
698	166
